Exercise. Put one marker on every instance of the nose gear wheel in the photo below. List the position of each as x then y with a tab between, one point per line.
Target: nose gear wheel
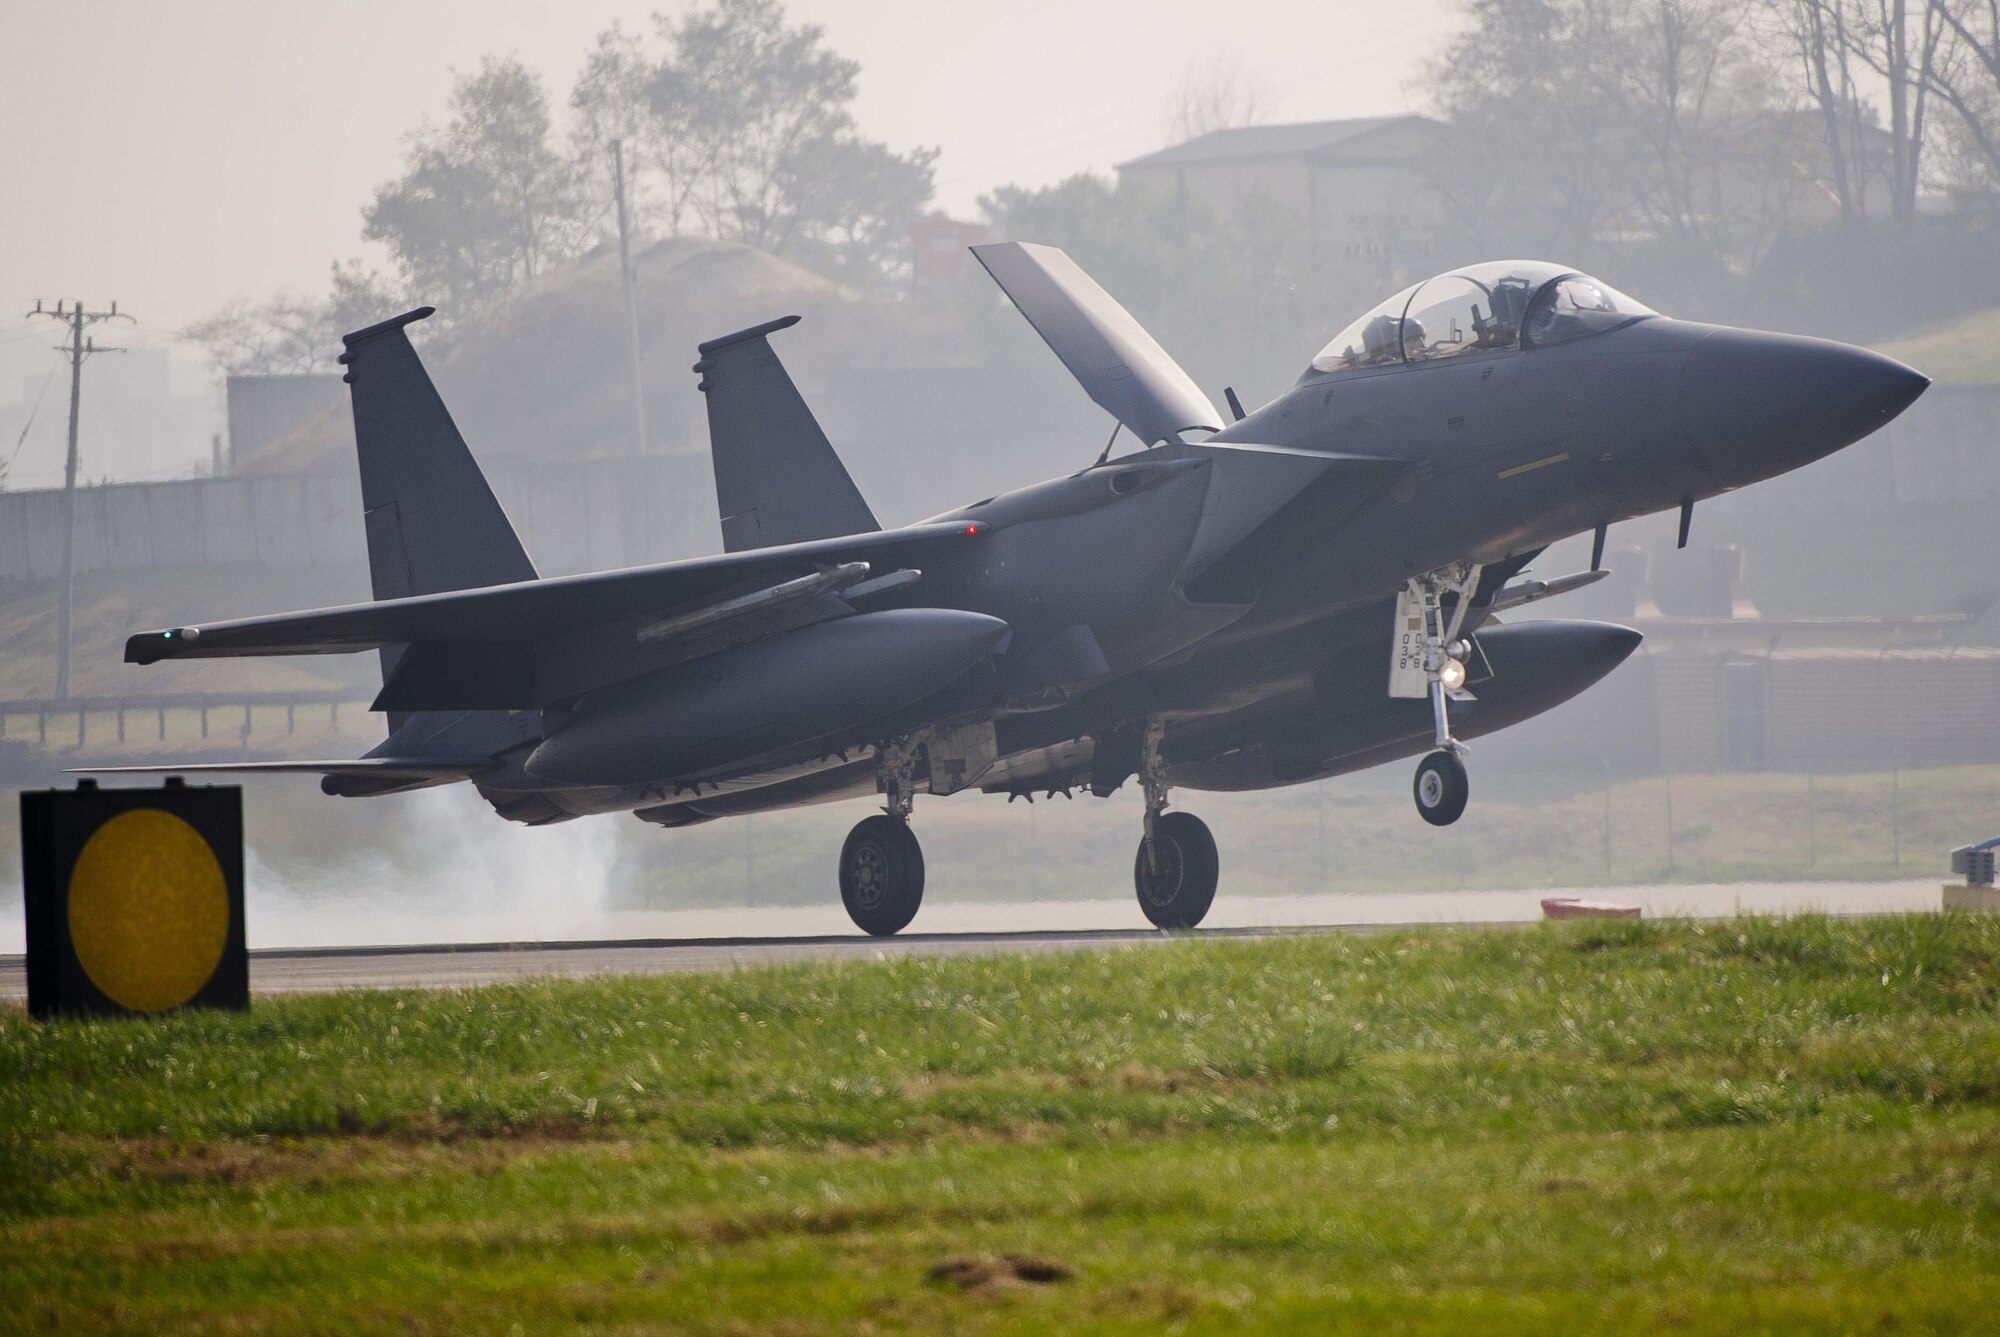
1441	788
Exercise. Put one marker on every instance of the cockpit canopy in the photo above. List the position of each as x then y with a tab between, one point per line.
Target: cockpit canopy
1486	308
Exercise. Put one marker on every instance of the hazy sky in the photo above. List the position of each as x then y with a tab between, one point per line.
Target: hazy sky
177	155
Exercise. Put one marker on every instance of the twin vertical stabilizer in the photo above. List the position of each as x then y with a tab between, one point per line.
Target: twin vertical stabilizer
777	479
433	523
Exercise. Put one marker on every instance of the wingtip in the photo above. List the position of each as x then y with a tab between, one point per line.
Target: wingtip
146	647
150	647
744	336
381	327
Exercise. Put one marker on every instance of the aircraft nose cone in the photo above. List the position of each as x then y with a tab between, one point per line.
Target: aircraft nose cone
1759	404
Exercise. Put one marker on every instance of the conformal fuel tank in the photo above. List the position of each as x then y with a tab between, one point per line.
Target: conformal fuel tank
795	688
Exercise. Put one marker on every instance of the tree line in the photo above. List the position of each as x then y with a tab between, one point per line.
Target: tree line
733	122
1684	142
1737	159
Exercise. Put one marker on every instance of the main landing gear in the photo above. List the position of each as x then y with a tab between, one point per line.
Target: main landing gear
882	865
1177	867
1442	786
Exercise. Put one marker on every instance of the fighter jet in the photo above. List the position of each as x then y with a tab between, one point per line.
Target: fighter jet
1295	593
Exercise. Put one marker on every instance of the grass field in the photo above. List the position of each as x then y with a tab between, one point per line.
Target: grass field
1740	1127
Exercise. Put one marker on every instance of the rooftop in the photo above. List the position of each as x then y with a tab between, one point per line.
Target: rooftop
1313	139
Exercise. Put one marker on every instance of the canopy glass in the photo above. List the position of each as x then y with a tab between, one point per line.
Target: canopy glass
1508	304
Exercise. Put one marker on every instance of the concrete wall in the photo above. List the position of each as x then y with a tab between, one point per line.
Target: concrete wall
582	516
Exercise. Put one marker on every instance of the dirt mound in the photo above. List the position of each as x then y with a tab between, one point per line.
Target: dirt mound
979	1270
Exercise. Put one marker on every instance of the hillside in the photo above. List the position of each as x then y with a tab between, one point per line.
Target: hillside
546	374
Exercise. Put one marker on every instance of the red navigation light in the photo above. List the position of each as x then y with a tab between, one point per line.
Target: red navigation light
972	529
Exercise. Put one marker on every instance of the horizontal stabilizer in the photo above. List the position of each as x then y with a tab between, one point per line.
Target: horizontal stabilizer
384	768
1118	364
777	478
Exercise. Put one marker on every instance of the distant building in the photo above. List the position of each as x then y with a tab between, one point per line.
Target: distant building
938	247
1721	686
1360	186
264	410
133	424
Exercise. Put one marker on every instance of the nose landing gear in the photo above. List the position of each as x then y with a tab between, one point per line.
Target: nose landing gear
1176	871
1442	786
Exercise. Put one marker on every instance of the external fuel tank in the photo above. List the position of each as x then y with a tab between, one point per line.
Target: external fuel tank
802	687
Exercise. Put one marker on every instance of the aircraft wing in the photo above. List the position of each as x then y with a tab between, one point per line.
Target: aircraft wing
535	610
1121	366
526	645
377	768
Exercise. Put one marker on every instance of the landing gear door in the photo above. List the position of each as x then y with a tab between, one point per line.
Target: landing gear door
1406	651
960	756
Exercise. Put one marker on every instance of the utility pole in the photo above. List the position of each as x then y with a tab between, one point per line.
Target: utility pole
631	298
78	348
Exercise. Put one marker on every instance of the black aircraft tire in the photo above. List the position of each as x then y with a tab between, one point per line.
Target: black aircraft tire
1441	788
1179	891
881	875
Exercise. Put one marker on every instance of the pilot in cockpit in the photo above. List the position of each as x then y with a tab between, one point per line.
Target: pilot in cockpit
1490	308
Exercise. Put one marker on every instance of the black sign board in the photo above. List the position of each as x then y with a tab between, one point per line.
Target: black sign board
134	899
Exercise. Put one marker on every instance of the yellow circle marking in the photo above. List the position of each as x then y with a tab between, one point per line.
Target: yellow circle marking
148	910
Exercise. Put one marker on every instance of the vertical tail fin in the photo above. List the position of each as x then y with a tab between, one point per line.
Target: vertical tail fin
777	479
433	523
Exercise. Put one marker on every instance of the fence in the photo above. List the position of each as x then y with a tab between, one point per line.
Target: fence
120	712
588	515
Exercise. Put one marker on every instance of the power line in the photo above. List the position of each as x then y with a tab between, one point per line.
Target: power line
77	320
22	337
33	409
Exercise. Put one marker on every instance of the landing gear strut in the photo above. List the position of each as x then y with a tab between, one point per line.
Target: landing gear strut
1177	868
1442	786
882	865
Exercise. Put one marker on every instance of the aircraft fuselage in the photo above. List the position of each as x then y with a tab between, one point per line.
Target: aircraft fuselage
1506	453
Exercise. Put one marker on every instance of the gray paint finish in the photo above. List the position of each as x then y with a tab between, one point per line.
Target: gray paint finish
1231	598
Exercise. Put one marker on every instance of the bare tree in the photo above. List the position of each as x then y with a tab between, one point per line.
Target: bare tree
292	334
1683	82
1214	94
1966	77
1581	123
1846	49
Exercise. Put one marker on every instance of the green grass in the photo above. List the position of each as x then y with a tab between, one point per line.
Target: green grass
1739	1127
1961	353
111	605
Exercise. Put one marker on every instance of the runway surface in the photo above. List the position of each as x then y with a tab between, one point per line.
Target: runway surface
651	942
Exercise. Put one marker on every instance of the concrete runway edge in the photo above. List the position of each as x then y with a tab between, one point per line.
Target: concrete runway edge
318	969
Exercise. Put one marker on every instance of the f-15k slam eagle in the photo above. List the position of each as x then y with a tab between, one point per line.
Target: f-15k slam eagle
1301	592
